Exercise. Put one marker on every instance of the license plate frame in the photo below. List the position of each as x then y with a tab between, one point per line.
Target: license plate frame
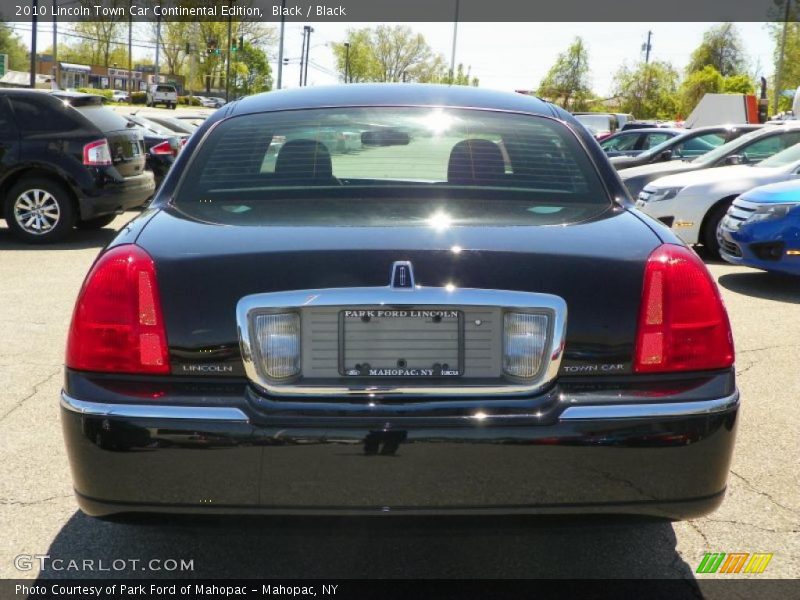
438	370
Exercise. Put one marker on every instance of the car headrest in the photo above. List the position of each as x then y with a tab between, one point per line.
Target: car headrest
303	159
475	162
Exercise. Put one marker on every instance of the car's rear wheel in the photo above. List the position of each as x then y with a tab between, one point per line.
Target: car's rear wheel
710	228
39	211
96	223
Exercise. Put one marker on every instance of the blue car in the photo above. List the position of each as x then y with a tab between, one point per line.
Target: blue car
762	229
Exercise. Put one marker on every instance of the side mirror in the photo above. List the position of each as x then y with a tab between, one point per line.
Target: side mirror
735	159
665	155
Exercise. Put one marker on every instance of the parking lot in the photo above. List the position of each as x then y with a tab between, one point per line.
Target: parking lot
39	516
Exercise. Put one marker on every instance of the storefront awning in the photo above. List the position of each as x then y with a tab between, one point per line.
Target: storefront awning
75	68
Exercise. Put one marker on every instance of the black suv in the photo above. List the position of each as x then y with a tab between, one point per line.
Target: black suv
66	161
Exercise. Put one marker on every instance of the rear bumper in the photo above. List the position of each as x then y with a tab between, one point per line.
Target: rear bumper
115	194
666	459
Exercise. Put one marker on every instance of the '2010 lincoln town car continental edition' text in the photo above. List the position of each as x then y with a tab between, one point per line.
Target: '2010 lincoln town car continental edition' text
456	310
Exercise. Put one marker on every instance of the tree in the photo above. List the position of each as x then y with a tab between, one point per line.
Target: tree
648	90
738	84
722	49
387	53
790	72
697	84
358	62
99	36
567	82
11	44
253	73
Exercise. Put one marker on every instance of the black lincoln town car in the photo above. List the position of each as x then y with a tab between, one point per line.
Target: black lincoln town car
460	313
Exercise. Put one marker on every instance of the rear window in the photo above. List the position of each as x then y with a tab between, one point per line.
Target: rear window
41	114
104	118
165	88
390	166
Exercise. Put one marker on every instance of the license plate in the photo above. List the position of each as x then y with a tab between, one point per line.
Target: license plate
401	343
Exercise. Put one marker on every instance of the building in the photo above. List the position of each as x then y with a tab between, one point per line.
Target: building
71	75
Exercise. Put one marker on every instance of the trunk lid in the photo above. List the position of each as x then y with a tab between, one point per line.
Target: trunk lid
595	265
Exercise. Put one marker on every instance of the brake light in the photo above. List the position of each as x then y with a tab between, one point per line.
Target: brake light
97	154
117	325
163	149
683	324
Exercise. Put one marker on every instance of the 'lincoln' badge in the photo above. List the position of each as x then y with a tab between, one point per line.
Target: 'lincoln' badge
402	275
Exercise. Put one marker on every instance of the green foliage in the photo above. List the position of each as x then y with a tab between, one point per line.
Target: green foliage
11	44
189	101
394	53
138	97
648	91
699	83
106	94
789	78
722	49
738	84
567	82
252	72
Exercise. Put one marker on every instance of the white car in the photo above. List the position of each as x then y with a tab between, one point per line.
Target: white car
120	96
162	94
693	204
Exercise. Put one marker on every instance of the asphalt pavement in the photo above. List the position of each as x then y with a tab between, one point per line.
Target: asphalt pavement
38	514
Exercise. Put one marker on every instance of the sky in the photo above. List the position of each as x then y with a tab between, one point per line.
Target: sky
512	56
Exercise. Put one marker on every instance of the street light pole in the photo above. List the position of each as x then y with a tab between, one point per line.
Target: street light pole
346	61
228	59
303	54
55	46
280	46
308	52
34	23
779	73
130	55
158	46
455	37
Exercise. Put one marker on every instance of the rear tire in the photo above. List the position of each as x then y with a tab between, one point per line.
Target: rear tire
39	211
710	228
96	223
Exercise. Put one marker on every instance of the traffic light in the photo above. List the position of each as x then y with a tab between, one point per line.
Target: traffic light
212	47
238	46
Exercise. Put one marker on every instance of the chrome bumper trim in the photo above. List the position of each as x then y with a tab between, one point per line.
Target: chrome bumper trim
144	411
554	306
651	410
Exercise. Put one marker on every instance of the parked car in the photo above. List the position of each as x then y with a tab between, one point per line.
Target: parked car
66	161
635	141
407	301
162	94
762	229
120	96
172	123
161	144
193	120
600	125
687	146
748	148
693	204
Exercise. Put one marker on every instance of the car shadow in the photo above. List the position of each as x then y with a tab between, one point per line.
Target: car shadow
769	286
77	240
377	547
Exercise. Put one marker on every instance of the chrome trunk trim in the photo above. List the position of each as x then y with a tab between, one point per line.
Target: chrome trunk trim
154	411
451	297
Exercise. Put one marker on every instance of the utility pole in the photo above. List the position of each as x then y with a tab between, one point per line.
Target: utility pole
308	53
779	73
55	46
158	46
647	47
303	54
346	61
280	45
130	55
34	23
455	37
228	59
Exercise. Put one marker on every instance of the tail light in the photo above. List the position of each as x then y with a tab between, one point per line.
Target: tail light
683	325
97	154
163	149
117	325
